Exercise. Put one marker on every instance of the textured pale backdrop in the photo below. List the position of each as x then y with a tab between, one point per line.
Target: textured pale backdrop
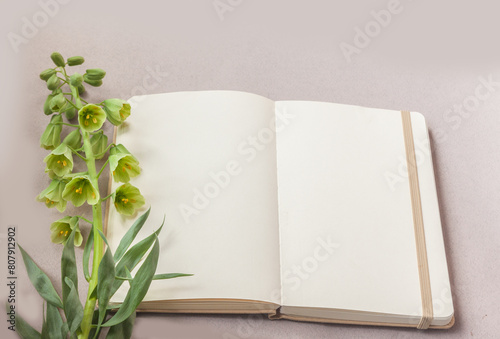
429	58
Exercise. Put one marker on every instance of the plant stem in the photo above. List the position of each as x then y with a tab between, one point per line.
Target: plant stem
90	303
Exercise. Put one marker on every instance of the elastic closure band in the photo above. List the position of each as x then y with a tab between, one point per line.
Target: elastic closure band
418	223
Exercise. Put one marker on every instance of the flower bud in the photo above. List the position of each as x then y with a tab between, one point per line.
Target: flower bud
99	142
60	161
91	117
74	139
45	75
53	82
46	105
95	74
70	113
76	80
58	59
95	83
81	89
58	103
81	189
127	199
117	110
51	137
61	229
122	164
75	61
52	195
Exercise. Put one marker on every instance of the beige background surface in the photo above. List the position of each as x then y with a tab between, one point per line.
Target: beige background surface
430	58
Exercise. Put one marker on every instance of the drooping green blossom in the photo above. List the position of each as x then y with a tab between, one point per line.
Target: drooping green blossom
81	189
51	137
117	110
52	195
73	139
122	164
60	160
91	117
58	59
99	142
128	199
75	61
58	103
46	106
62	228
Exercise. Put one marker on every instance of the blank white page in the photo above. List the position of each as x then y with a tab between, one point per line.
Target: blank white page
346	228
183	142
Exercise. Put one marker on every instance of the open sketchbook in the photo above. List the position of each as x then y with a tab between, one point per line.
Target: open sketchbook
299	210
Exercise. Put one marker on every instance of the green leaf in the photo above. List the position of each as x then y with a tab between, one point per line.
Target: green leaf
44	334
133	256
68	266
138	287
162	276
86	254
105	280
128	274
94	332
41	281
165	276
130	235
23	329
72	307
123	330
54	323
64	330
103	237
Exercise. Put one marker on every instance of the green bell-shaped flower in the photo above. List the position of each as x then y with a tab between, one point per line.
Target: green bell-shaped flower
60	160
58	103
99	142
46	105
51	137
128	199
73	139
52	195
117	110
91	117
122	164
81	189
62	228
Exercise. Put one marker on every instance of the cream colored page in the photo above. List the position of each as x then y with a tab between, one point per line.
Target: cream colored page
203	171
347	238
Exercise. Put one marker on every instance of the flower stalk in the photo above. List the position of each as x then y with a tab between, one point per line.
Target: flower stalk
90	302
